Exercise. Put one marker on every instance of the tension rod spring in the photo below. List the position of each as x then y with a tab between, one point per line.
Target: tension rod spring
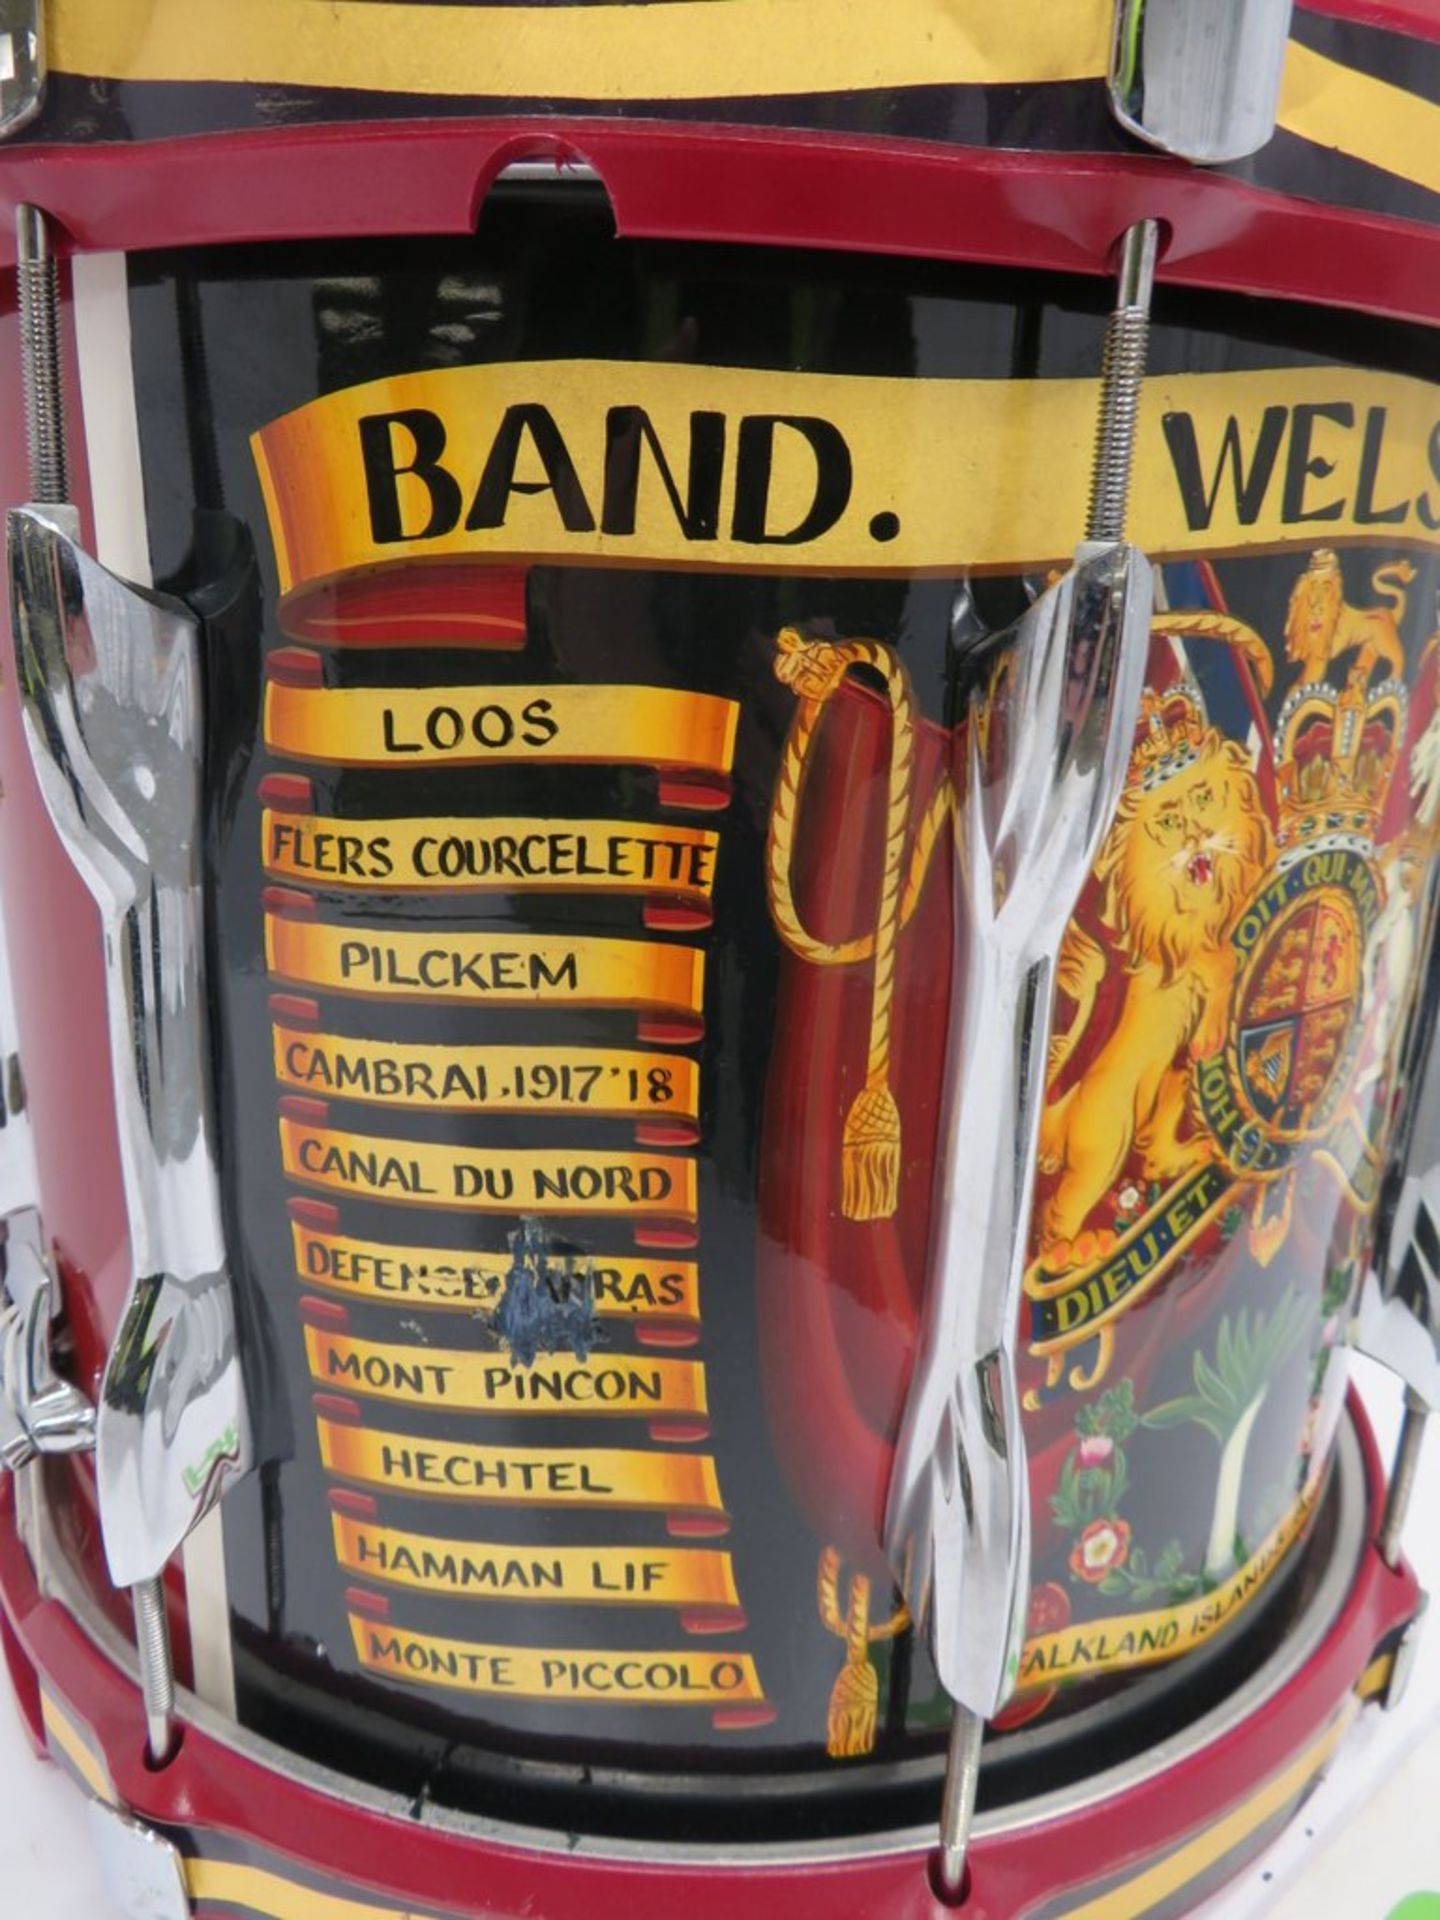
38	293
1122	373
157	1668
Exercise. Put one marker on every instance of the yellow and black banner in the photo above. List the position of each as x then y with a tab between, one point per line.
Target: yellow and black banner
711	50
686	1679
594	1576
482	969
475	856
1145	1639
483	726
72	1746
440	1279
471	1382
694	49
605	1081
414	1173
831	473
599	1477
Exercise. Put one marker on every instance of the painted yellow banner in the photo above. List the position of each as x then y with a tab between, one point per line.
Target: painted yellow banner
832	473
472	1382
1145	1639
480	856
440	1278
1067	1309
477	726
482	969
633	1576
385	1073
687	1679
521	1476
414	1173
693	49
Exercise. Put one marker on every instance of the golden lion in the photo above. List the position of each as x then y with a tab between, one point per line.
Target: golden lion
1320	624
1178	865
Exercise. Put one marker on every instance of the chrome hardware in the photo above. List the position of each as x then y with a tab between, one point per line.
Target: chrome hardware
1064	685
143	1870
1122	370
39	306
39	1412
1403	1668
1054	705
22	63
1397	1318
17	1148
547	172
1400	1327
19	1187
110	693
1199	78
957	1803
157	1667
1402	1477
957	1530
111	704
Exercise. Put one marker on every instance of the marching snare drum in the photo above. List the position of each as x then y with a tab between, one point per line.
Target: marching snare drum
719	850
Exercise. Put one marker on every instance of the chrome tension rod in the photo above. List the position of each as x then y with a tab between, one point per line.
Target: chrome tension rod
957	1524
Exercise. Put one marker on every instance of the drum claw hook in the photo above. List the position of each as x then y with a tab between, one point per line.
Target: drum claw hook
1036	807
112	707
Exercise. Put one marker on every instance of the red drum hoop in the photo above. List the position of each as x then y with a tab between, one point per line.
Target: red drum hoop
1188	1828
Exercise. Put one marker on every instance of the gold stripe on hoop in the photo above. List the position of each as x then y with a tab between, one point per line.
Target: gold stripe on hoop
701	49
223	1883
1138	1896
64	1734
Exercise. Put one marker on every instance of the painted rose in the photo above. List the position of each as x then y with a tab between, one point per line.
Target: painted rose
1101	1548
1096	1450
1128	1201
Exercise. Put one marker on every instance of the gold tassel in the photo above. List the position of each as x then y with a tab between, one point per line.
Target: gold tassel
870	1143
853	1716
870	1154
854	1703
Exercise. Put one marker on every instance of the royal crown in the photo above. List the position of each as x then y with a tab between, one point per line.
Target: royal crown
1335	752
1169	737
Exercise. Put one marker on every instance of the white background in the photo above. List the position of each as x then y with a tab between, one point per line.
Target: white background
1368	1837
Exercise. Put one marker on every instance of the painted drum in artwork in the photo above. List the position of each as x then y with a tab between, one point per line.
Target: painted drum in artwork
581	831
